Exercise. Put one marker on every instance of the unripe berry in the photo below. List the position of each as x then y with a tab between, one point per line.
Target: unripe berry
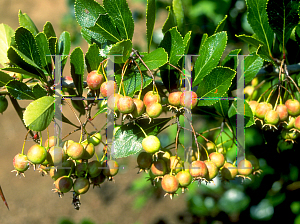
36	154
108	88
198	169
229	171
188	99
125	105
151	144
150	98
154	110
158	168
217	158
3	104
290	123
262	108
184	177
51	141
245	167
169	184
75	151
64	184
212	170
81	185
139	108
94	80
174	98
111	168
293	107
112	101
253	104
89	150
95	138
282	112
144	160
20	162
271	117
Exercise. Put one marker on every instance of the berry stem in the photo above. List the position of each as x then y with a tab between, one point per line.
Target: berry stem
122	77
142	130
22	153
101	66
41	139
181	72
139	96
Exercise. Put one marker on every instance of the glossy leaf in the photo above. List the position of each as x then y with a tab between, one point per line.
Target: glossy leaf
87	12
4	78
222	106
283	17
155	59
49	30
53	45
93	37
230	60
39	113
42	43
203	39
173	44
77	69
178	12
21	71
232	113
150	21
258	19
252	65
211	52
64	46
19	90
102	104
121	15
26	22
92	58
128	138
221	25
170	22
38	91
214	85
123	49
186	41
6	33
251	40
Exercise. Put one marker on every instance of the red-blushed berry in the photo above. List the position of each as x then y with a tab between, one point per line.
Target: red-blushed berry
151	97
261	109
158	168
113	100
174	98
51	141
271	117
110	168
188	99
293	107
212	170
297	123
89	150
108	88
56	156
198	169
154	110
125	105
63	184
253	104
282	112
75	151
184	178
20	163
139	108
94	80
217	158
169	184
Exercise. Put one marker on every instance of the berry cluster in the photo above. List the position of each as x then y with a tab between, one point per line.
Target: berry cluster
68	165
175	173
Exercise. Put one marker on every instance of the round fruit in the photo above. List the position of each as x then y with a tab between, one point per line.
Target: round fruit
154	110
245	167
75	151
20	162
81	169
198	169
95	138
110	168
3	104
55	155
297	123
261	109
144	160
151	144
217	158
290	124
158	168
81	185
282	112
174	98
271	117
184	178
89	150
56	173
139	108
229	171
94	80
188	99
293	107
284	145
253	104
66	144
248	91
290	135
113	100
69	166
254	82
108	88
94	168
212	170
210	147
125	105
254	161
51	141
150	98
169	184
64	184
98	179
37	154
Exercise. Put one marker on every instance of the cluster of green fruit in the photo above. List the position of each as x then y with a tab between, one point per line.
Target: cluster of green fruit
174	173
285	116
151	103
67	163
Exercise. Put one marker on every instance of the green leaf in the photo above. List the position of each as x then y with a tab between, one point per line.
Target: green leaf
120	13
173	44
123	49
64	46
22	61
178	12
48	30
27	45
19	90
25	21
87	12
21	71
150	20
104	26
214	85
221	25
39	113
222	106
52	41
258	19
186	41
170	22
92	37
4	78
203	39
210	54
132	82
264	54
77	69
38	91
128	138
6	33
251	40
297	34
252	65
42	43
230	60
155	59
232	112
102	107
92	58
67	121
283	17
